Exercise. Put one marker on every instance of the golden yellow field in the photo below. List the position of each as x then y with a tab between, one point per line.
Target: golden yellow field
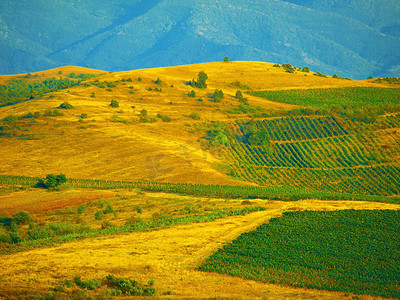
112	144
97	147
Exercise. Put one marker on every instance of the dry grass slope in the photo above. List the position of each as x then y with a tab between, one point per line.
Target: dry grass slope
111	143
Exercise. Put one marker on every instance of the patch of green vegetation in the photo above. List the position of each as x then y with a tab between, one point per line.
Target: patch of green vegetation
195	115
201	81
164	118
350	251
349	100
20	90
240	85
39	236
390	80
66	105
52	181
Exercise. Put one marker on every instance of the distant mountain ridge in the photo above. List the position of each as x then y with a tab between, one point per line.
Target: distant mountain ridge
353	38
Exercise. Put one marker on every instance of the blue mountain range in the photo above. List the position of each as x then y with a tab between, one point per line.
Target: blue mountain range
352	38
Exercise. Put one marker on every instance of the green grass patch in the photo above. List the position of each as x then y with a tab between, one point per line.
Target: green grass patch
42	236
350	251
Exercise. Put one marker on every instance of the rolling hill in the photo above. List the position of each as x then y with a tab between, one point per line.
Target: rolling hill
164	172
355	39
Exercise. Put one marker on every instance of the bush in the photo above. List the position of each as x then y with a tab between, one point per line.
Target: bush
164	118
109	209
66	105
22	217
192	94
114	103
90	284
226	59
195	115
54	113
99	215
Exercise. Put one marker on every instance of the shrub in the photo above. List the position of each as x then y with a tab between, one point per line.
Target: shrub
288	68
54	113
6	222
218	95
66	105
114	103
226	59
106	225
192	94
239	95
81	208
84	116
195	115
164	118
93	95
99	215
22	217
90	284
109	209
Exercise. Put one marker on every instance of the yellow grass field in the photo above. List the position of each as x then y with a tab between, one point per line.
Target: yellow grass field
126	149
168	256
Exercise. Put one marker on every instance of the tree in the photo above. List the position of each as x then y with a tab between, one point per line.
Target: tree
239	95
226	59
51	181
201	80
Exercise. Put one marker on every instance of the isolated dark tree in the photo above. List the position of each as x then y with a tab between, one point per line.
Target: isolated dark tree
51	181
201	80
226	59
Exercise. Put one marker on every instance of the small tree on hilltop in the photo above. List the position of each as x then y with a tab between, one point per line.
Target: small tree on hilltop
226	59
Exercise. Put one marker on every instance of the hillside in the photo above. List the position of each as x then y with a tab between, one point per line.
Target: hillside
174	173
112	143
355	39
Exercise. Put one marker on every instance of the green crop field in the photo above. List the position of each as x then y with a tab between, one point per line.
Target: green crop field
350	97
351	251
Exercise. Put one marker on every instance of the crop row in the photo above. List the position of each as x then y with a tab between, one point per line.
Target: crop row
279	191
380	180
296	128
334	97
351	251
345	151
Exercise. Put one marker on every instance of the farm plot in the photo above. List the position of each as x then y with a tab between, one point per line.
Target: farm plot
350	251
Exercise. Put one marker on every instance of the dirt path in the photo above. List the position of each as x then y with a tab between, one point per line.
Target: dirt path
168	256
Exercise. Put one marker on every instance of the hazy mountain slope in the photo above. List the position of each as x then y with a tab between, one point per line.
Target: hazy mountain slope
351	38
